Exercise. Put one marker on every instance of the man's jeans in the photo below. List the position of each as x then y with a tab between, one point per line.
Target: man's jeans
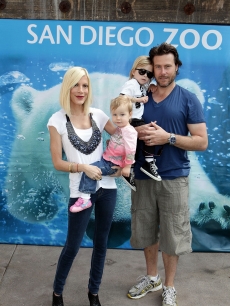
87	185
104	201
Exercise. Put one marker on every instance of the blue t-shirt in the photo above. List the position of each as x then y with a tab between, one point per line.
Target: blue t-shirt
173	114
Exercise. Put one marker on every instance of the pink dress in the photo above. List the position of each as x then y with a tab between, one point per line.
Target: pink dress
122	146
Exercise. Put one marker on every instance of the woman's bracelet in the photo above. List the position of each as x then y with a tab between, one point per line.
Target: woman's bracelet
71	168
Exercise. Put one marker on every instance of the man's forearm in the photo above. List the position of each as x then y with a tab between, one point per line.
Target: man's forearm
191	143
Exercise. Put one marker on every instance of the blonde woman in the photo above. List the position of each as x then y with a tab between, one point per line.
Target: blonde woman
76	128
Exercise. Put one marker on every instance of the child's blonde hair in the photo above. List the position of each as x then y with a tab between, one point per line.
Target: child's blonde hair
71	78
139	62
121	100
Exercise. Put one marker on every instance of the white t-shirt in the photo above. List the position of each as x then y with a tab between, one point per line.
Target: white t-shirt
133	88
58	120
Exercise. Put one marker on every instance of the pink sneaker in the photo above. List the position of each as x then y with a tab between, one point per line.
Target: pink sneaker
80	205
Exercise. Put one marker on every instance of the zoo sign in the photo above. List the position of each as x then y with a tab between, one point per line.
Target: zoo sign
124	36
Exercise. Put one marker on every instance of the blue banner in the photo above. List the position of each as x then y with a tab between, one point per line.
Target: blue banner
35	55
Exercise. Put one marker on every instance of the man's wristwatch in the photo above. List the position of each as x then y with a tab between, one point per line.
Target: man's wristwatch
172	139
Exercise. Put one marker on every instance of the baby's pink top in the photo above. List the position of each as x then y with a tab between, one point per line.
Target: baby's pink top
122	146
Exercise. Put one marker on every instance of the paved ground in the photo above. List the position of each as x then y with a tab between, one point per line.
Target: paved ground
26	276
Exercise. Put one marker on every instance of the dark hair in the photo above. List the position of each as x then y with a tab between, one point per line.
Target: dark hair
165	48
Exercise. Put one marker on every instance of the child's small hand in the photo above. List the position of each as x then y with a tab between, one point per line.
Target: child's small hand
125	171
152	88
144	99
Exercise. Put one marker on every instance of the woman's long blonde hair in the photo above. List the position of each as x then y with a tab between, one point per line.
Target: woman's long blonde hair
71	78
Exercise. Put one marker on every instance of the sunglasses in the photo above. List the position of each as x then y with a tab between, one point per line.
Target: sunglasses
143	72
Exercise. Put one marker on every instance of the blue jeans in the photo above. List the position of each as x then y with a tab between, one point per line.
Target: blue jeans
104	201
87	185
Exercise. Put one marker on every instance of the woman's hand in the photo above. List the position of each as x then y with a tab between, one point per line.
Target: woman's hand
92	172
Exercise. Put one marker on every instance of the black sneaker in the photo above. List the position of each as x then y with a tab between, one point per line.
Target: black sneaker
130	181
57	300
150	169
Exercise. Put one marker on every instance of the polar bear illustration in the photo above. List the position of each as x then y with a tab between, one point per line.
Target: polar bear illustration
36	191
205	200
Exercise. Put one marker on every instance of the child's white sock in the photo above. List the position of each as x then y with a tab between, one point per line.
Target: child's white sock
149	159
